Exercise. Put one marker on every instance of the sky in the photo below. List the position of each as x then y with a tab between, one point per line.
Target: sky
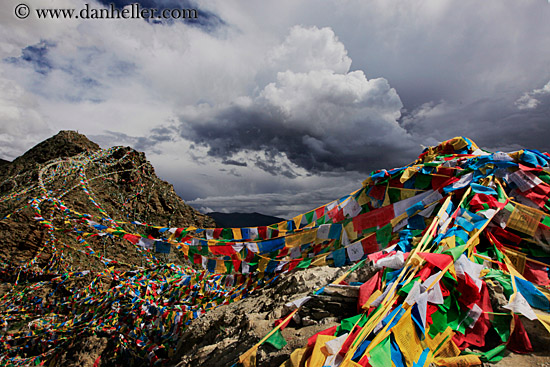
278	106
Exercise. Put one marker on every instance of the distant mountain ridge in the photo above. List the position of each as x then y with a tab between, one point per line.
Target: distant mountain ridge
239	220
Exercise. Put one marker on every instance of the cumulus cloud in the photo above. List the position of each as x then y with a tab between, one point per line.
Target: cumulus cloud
273	97
316	113
21	122
306	49
529	101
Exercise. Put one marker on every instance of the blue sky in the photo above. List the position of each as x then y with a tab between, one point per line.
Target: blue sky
279	106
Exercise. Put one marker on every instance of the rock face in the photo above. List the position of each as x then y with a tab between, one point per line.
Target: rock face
219	337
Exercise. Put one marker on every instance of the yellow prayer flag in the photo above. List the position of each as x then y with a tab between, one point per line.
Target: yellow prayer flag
386	197
262	264
319	261
185	249
363	198
237	234
295	358
524	219
448	349
459	143
407	173
449	241
352	235
517	259
297	220
309	236
248	359
442	344
377	293
220	267
320	352
301	238
293	240
460	361
407	339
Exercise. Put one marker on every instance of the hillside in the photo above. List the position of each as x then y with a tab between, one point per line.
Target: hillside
442	261
68	175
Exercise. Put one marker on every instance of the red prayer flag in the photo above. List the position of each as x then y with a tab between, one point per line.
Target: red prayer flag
376	218
476	336
439	260
469	293
536	273
519	341
132	238
319	212
225	250
367	289
378	192
370	245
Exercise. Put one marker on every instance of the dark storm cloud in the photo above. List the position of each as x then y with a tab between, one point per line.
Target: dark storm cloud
460	52
141	143
270	164
232	162
237	129
232	172
496	124
320	120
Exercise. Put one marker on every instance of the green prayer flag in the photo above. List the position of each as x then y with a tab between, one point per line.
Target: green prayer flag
422	181
494	355
404	291
395	195
439	323
501	195
227	234
228	266
347	324
380	355
501	324
455	252
309	217
277	340
504	280
383	235
544	176
304	264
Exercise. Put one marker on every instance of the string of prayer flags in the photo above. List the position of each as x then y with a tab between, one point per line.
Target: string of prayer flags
444	232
